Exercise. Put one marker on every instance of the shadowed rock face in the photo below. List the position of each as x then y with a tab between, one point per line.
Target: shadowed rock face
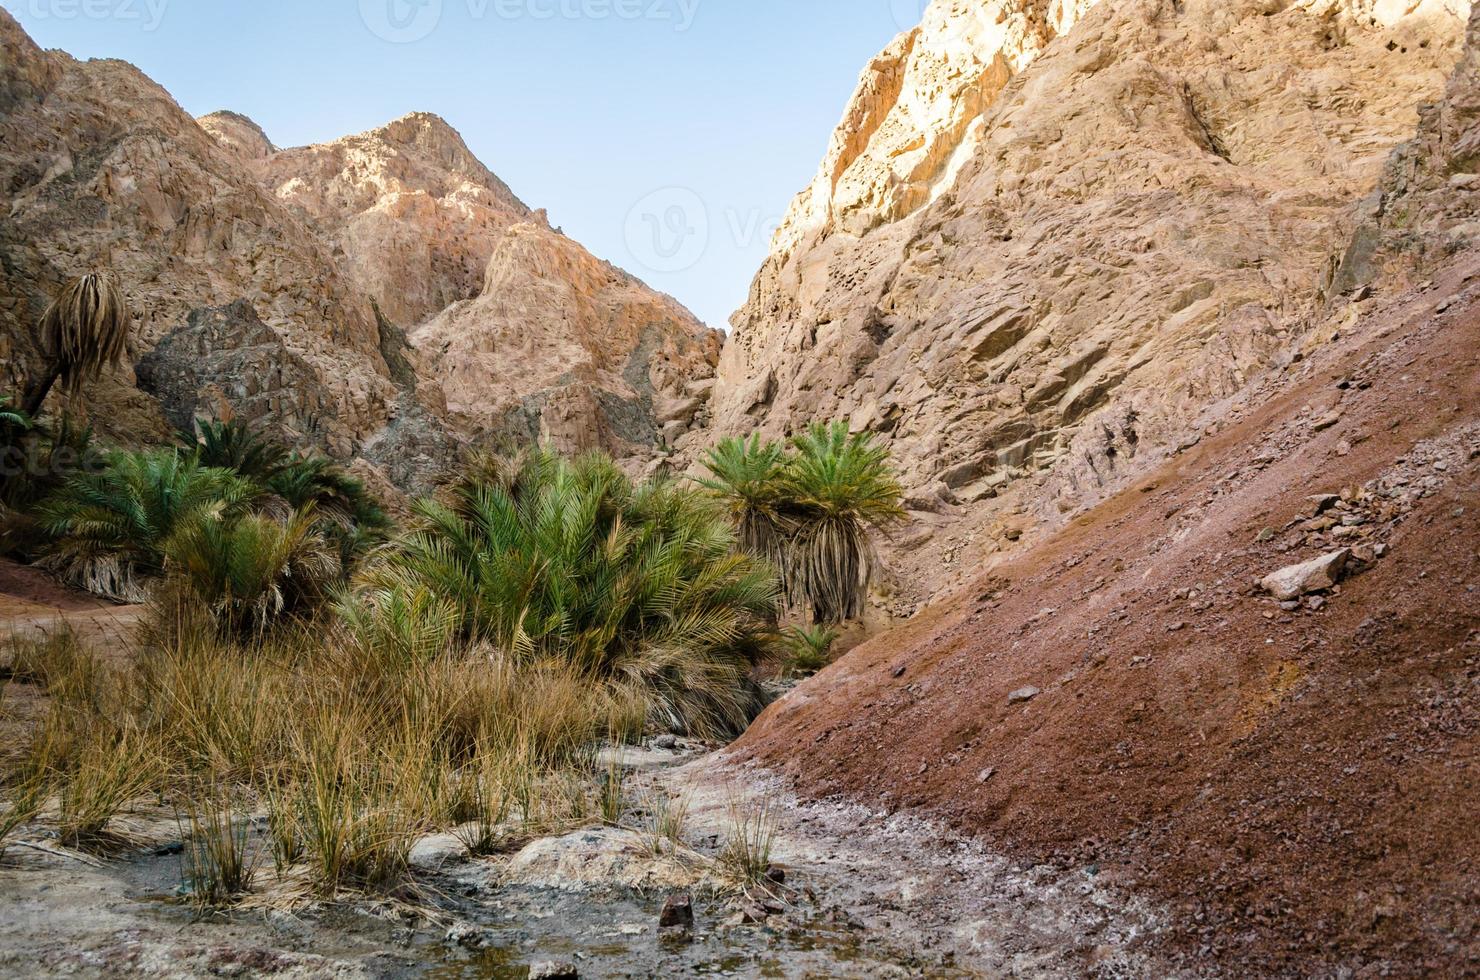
294	278
226	361
1048	236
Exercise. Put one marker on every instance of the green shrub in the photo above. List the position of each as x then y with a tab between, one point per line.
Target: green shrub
236	446
809	650
107	531
349	517
568	561
251	571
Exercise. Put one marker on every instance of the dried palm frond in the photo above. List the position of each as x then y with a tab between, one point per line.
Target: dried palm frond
84	330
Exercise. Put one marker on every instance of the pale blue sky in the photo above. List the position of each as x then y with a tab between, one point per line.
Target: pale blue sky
594	109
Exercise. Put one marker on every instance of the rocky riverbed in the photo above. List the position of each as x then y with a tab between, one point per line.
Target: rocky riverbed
850	894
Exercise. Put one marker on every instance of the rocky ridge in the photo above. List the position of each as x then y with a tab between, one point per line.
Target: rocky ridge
291	286
1049	236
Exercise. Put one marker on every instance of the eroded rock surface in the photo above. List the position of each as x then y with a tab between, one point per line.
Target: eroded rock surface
297	284
1047	236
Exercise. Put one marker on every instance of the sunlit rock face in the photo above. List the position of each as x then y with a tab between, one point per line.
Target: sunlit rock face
341	253
1048	236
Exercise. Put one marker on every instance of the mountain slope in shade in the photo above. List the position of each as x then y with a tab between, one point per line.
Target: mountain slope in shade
247	258
1049	235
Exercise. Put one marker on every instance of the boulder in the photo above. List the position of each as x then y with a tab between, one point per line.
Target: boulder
1317	575
603	857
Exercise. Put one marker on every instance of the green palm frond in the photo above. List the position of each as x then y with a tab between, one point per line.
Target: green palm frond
844	475
550	560
13	421
236	446
810	648
348	516
251	570
748	475
106	531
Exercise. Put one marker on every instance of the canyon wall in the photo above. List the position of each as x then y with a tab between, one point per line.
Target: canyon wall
1286	780
1048	236
384	296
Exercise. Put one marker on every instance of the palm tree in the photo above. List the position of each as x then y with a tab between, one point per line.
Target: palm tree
236	446
549	560
251	570
844	487
348	516
83	331
106	531
810	511
747	474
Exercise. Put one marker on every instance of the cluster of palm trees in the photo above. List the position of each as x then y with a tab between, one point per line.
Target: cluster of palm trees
552	560
673	588
810	508
248	529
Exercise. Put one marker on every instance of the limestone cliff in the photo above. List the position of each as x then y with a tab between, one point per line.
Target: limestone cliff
1047	236
521	361
283	284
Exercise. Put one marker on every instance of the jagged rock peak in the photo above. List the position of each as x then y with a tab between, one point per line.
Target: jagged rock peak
238	134
916	114
279	286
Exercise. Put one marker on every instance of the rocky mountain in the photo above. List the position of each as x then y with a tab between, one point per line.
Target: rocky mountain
1240	692
1048	236
380	296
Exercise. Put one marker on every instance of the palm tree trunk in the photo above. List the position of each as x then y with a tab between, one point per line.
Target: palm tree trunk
37	391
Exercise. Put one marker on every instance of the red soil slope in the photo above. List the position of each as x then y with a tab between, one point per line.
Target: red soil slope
1298	787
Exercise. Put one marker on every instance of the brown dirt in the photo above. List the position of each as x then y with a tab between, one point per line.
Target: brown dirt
32	605
1298	788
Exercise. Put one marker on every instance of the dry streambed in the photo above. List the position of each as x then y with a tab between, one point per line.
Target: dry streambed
863	895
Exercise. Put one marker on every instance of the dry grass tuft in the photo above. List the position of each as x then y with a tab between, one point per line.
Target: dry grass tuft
220	862
746	854
667	818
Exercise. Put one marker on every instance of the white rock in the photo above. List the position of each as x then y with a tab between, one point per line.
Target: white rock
602	857
1312	576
